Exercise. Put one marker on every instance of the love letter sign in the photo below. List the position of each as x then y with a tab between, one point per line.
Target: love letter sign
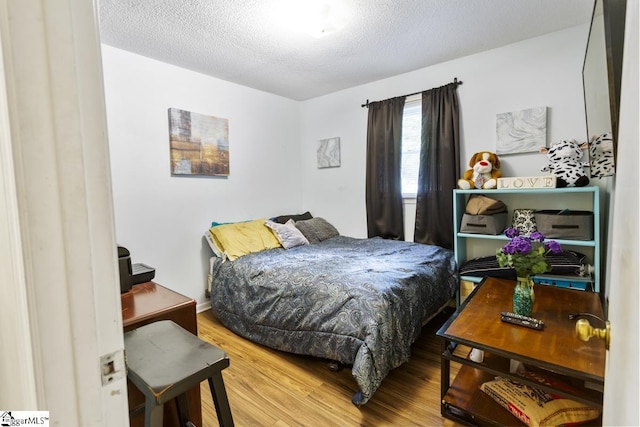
526	182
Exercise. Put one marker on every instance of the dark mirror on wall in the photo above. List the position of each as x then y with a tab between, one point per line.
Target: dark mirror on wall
602	72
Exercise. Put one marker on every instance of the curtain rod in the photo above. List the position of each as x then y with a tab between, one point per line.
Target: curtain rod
455	80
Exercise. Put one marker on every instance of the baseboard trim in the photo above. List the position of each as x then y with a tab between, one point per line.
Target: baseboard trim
203	306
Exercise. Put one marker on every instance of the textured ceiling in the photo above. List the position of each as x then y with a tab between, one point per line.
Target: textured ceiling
246	42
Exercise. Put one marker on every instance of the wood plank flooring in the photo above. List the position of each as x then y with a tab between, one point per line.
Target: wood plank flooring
272	388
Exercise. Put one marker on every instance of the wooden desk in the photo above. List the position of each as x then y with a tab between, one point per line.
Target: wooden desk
149	302
556	349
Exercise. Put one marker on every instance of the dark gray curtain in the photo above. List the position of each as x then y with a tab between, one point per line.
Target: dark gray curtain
439	162
384	154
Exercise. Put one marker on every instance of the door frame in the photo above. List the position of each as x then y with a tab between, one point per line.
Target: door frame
61	285
621	372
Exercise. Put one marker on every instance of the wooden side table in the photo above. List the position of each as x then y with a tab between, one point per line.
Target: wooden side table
149	302
555	349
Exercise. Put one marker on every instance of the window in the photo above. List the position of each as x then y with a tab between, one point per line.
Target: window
411	133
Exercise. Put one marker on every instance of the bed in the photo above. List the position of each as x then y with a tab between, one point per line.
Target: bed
359	302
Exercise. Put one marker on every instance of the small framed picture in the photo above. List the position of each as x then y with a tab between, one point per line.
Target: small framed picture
328	153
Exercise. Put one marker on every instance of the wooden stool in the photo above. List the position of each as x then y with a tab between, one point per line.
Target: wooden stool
164	361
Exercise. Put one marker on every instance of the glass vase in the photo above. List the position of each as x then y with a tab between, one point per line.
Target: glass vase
523	296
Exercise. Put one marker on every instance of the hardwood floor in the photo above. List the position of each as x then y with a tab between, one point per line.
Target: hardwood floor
271	388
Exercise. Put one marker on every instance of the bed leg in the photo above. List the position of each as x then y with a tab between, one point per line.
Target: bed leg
334	366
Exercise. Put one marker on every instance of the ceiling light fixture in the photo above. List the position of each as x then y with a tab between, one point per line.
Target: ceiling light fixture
317	18
323	21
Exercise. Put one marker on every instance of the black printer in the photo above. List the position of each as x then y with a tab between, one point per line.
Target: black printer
132	274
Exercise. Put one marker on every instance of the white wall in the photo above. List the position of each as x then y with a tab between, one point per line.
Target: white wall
544	71
161	218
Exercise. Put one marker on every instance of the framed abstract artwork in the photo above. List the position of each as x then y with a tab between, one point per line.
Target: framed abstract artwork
328	153
199	144
521	131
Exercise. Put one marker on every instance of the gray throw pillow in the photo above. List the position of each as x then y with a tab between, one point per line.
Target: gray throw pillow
316	229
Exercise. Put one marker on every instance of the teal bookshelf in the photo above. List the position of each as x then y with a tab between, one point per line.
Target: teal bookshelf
467	245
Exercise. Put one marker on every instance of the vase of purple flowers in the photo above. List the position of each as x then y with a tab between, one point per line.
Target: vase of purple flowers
527	255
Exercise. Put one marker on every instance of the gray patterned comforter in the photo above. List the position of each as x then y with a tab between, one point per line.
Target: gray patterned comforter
361	302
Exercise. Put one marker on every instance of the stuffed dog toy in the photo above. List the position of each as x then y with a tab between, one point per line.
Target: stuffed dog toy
483	173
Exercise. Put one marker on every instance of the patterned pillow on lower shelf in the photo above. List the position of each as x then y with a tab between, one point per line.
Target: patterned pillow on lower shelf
535	407
566	262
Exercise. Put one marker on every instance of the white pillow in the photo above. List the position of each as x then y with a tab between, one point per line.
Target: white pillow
213	245
287	234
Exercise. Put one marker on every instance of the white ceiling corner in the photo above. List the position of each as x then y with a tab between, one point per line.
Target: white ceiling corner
244	41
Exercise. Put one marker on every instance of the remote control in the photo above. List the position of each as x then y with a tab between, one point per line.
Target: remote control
516	319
